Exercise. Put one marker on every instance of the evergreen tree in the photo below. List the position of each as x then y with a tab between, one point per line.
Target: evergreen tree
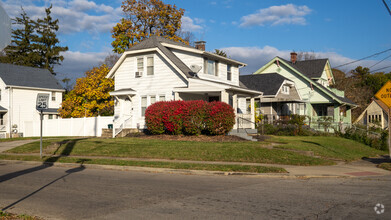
47	42
35	43
22	50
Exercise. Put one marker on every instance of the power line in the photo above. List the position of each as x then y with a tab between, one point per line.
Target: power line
388	8
380	61
380	69
355	61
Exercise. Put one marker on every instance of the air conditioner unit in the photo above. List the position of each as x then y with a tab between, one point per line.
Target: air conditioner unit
139	74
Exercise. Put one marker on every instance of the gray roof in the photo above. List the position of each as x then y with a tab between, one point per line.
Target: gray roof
268	83
310	68
14	75
342	99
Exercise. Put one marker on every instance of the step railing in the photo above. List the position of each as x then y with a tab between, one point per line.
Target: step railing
117	130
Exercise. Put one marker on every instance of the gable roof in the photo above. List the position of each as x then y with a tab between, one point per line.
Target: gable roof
268	83
24	76
310	68
382	105
164	46
327	91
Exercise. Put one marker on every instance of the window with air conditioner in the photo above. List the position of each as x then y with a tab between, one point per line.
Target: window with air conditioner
140	67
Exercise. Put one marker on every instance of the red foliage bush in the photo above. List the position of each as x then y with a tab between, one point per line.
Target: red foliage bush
189	117
220	118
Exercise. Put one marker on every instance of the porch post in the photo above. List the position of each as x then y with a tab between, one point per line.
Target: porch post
349	114
176	96
225	97
337	114
252	113
235	107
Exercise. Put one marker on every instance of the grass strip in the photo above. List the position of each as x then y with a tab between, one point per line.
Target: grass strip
11	216
155	164
386	166
327	147
253	152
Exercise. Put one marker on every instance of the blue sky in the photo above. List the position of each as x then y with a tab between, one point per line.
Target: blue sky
250	31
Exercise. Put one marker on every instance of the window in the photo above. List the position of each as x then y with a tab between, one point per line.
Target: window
285	90
143	105
53	96
140	64
149	66
229	73
1	119
162	98
211	67
50	116
153	99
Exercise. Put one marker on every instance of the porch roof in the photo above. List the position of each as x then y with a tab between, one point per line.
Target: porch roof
2	109
128	91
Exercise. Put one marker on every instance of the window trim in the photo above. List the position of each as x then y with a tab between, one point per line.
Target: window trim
153	65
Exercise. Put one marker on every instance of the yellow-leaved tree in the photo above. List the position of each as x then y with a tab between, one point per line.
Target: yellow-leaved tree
90	96
144	18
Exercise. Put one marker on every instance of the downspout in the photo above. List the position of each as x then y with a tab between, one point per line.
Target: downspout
10	111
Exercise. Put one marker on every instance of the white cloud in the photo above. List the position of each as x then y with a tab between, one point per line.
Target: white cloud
189	25
74	16
256	57
76	63
277	15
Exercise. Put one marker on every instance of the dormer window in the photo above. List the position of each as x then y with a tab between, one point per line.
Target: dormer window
229	72
285	90
210	67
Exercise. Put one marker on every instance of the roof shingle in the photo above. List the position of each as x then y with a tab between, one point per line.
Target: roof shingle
268	83
24	76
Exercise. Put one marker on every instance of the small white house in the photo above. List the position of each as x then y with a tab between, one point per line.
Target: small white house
375	115
19	86
158	69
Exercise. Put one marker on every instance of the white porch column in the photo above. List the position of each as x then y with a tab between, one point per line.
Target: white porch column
235	107
176	96
225	97
252	113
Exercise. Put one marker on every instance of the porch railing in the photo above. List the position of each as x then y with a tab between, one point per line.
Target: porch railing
244	121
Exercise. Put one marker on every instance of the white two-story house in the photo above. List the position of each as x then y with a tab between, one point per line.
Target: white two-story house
158	69
19	86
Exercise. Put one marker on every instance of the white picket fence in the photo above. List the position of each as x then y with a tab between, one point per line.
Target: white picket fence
68	126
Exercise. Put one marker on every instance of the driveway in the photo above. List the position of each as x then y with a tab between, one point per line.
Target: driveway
4	146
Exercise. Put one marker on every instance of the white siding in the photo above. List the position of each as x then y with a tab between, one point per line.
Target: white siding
23	106
195	59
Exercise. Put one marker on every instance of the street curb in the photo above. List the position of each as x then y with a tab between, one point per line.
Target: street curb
174	171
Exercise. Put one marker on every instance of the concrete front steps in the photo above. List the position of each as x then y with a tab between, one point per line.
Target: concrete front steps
245	133
108	133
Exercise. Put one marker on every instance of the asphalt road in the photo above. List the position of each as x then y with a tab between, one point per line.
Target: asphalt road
80	193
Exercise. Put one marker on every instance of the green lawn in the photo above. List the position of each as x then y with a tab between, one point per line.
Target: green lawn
327	147
179	150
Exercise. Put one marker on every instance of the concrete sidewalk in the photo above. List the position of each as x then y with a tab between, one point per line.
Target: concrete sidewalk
354	169
4	146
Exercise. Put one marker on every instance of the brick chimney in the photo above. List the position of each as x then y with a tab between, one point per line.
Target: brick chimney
200	45
293	57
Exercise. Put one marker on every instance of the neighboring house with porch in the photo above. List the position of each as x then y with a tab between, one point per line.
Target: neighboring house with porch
312	79
158	69
280	96
375	115
19	86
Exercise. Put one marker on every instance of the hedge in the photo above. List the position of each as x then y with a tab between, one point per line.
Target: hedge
189	117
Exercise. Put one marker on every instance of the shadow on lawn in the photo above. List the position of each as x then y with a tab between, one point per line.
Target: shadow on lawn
70	144
378	160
